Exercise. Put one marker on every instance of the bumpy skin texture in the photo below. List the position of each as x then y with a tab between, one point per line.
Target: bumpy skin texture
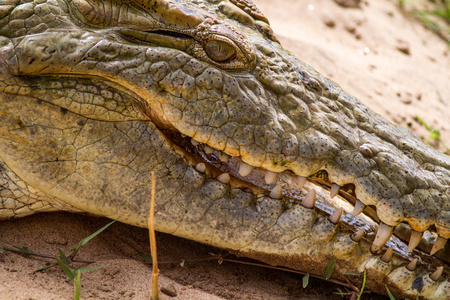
96	95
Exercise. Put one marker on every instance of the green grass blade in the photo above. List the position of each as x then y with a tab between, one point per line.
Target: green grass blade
305	280
340	293
87	269
330	269
65	268
87	239
45	268
423	123
362	287
435	134
391	297
18	250
1	250
63	257
146	257
78	286
351	274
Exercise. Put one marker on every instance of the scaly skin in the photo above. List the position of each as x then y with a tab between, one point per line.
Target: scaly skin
97	95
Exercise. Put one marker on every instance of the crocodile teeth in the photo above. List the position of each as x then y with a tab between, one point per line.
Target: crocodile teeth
359	207
438	245
383	234
208	149
194	142
357	236
245	169
334	190
412	265
224	157
300	180
276	192
436	274
224	178
310	199
387	256
334	218
201	167
270	177
414	240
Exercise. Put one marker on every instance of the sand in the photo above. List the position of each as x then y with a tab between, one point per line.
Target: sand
384	57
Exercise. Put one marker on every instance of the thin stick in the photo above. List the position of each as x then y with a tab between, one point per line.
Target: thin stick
151	232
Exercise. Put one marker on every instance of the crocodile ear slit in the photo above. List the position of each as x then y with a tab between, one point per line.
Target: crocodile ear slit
383	234
310	199
438	245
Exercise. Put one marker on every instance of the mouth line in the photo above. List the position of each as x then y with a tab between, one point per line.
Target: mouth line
294	189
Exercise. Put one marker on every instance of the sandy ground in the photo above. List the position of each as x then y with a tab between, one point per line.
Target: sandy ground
376	53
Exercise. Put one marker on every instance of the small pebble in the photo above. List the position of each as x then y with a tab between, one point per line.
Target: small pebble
349	3
169	290
329	21
403	47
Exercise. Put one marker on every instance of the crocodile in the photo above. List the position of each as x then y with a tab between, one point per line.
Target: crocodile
253	150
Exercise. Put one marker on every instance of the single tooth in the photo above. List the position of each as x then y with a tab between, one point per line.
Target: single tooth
436	274
334	218
244	169
438	244
194	142
301	180
356	237
412	265
224	178
383	234
224	157
359	207
334	190
414	240
310	199
183	135
276	192
387	256
208	149
270	177
201	167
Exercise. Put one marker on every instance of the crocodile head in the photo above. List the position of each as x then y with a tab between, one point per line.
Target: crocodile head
253	150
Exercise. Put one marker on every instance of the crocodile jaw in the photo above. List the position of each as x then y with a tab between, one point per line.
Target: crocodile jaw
266	109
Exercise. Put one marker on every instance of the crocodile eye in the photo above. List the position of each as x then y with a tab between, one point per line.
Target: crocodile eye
219	51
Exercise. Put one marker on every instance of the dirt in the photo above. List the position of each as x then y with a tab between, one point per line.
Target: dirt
386	58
